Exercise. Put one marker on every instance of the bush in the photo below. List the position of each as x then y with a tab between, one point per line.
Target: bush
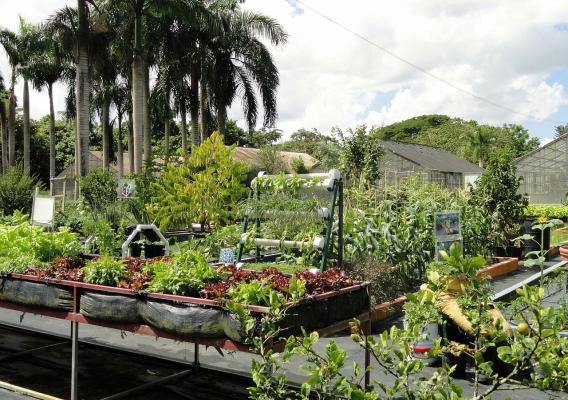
17	190
271	160
98	189
205	188
298	165
497	195
387	283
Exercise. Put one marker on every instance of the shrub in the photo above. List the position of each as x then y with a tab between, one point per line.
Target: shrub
387	283
17	190
205	188
298	165
497	195
271	160
98	189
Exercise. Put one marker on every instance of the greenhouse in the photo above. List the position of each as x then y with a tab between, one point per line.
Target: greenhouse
544	172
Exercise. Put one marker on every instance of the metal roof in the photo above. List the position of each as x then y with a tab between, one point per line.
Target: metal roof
431	158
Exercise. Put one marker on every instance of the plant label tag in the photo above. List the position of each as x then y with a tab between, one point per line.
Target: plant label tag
43	211
227	255
126	188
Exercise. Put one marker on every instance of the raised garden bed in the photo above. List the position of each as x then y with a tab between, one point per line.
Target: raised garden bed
179	315
501	266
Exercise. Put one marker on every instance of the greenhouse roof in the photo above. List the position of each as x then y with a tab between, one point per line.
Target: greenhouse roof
431	158
554	143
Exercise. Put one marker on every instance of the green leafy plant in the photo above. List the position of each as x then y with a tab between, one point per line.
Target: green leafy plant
185	274
271	160
497	195
255	292
547	210
205	188
98	189
298	166
104	271
16	190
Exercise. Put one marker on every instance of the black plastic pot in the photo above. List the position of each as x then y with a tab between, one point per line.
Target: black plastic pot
154	250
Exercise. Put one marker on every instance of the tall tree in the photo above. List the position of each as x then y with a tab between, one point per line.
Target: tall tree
479	141
241	62
560	130
83	87
9	40
4	98
44	69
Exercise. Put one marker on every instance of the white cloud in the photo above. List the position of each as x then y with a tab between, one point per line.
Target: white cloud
504	51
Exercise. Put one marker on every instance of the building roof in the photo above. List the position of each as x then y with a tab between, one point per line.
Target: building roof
541	148
431	158
250	156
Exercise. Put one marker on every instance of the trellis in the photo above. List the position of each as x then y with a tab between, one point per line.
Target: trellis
332	217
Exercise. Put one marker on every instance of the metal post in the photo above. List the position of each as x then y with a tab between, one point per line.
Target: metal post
74	358
329	226
64	195
196	355
340	242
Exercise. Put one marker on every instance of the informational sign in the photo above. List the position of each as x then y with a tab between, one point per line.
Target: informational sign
126	188
227	256
43	211
447	225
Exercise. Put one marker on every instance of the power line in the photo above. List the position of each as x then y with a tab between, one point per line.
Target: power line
423	70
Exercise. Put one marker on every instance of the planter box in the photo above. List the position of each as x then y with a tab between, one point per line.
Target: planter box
504	266
387	309
180	315
564	252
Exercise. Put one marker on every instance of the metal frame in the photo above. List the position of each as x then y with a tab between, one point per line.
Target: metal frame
139	229
332	181
76	318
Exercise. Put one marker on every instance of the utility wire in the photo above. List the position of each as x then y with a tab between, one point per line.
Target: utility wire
423	70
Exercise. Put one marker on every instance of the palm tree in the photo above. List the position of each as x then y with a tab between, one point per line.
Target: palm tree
479	141
9	40
4	96
188	11
241	61
121	100
44	70
83	86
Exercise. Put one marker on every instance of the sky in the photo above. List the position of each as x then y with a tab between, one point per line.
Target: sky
495	62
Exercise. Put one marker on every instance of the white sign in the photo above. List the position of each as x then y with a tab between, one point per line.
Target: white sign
43	211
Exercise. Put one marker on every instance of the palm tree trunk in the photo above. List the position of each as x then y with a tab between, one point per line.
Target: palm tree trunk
26	99
12	122
83	89
203	112
106	134
119	157
4	135
194	106
138	92
183	115
221	118
167	139
51	136
147	122
130	143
